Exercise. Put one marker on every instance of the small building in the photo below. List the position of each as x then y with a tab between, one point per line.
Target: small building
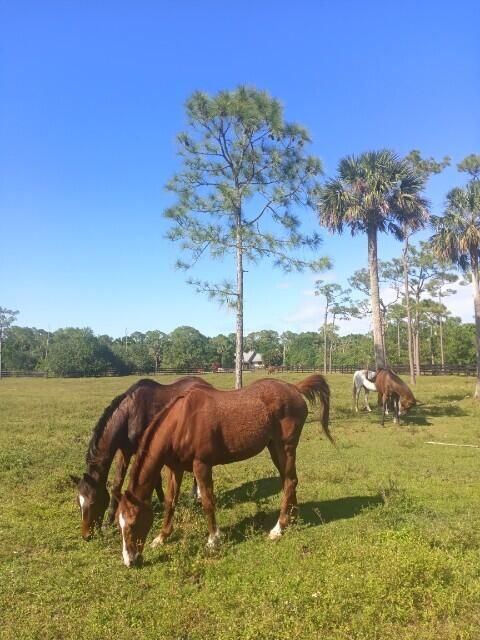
252	360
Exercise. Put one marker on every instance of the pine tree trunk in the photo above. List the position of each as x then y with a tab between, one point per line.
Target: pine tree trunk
384	324
417	335
239	336
375	296
409	315
476	304
417	345
399	349
432	356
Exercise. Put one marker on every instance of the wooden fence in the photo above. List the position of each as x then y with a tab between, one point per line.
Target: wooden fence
425	370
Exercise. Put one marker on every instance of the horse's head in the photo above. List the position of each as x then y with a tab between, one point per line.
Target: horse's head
405	404
93	499
135	518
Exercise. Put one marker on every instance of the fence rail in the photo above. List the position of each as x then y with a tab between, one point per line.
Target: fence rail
425	370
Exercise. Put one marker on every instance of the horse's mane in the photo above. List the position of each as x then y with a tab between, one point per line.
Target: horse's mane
99	429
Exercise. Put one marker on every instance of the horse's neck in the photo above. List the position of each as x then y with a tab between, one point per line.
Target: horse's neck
148	465
100	460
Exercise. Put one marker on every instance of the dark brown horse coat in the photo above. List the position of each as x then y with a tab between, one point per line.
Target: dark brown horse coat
118	432
392	390
208	427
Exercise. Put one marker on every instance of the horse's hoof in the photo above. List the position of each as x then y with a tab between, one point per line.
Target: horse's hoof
156	542
214	539
276	532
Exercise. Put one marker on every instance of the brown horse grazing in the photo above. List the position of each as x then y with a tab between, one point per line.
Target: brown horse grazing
205	428
392	390
119	429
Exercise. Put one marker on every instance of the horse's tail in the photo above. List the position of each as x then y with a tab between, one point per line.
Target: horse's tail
316	388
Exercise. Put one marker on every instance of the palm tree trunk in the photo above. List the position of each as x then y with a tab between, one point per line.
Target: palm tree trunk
325	341
409	315
375	296
476	304
239	336
440	331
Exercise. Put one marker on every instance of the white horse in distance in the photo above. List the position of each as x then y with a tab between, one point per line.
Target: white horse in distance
362	379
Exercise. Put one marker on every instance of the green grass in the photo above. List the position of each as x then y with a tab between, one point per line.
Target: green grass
387	544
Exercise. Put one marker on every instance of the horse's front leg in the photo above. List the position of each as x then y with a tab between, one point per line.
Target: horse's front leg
196	493
122	462
174	482
384	406
203	475
159	490
396	412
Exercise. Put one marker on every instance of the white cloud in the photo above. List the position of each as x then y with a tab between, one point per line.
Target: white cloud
461	304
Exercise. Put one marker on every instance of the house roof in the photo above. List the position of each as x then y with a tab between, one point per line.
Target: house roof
252	357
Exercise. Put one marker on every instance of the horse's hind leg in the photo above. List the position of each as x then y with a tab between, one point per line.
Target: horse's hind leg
276	459
122	460
173	489
287	456
203	474
367	406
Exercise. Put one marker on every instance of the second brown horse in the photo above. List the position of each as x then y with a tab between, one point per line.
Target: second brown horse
393	390
207	427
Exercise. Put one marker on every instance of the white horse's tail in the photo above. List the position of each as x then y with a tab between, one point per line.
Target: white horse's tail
361	378
368	384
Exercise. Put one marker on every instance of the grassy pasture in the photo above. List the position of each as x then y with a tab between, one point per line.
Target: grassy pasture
387	544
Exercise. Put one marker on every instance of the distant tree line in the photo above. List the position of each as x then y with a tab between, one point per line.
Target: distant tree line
74	351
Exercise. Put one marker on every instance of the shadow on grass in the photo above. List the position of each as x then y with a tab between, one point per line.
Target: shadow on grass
439	411
419	416
311	513
451	397
253	491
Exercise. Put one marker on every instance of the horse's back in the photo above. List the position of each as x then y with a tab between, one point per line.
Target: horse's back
226	426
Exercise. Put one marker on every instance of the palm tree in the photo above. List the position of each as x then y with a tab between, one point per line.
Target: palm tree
374	192
457	239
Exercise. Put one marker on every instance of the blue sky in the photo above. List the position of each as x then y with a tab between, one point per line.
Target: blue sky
92	98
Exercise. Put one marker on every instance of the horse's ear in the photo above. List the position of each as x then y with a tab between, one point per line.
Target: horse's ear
74	480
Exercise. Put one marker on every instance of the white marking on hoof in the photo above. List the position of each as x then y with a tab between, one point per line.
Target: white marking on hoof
276	532
214	539
156	542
